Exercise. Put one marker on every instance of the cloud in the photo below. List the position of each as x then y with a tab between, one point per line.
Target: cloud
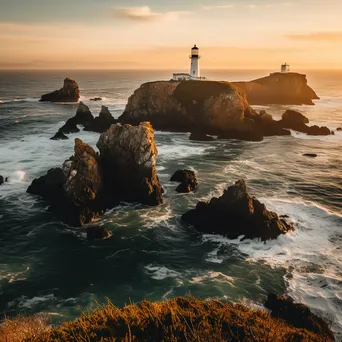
333	36
144	13
213	7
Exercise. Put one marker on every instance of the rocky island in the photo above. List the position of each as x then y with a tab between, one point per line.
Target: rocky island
279	88
68	93
89	183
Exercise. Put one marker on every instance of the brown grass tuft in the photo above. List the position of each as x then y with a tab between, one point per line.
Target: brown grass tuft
178	319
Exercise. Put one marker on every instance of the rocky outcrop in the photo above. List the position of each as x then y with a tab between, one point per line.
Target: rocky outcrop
279	88
188	181
2	180
97	232
294	120
236	214
96	99
101	123
199	136
89	183
339	129
69	93
210	107
59	136
311	155
128	155
298	315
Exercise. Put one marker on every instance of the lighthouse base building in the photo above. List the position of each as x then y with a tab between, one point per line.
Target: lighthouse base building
194	68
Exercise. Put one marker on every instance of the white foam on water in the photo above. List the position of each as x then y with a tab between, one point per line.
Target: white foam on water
213	276
29	303
312	255
160	272
28	99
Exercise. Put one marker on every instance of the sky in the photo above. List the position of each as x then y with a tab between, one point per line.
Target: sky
157	34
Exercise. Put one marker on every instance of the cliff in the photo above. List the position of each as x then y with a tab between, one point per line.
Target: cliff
279	88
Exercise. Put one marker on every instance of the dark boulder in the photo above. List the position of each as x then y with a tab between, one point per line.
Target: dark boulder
339	129
96	99
294	120
236	213
101	123
69	93
188	181
83	117
298	315
97	232
50	186
59	136
2	180
199	136
311	155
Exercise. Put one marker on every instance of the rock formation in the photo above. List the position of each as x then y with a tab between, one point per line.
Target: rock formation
128	155
59	136
88	183
294	120
279	88
339	129
209	107
188	180
96	99
2	180
311	155
298	315
97	232
69	93
101	123
236	213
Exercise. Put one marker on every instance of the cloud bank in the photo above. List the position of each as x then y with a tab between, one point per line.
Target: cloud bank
335	36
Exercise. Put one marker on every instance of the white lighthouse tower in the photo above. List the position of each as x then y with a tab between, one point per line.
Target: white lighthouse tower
195	68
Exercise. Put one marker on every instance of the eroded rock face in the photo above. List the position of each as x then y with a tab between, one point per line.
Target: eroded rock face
294	120
236	213
89	183
188	180
298	315
101	123
128	154
69	93
191	106
279	88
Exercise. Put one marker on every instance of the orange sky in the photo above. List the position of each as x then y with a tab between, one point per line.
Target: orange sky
231	35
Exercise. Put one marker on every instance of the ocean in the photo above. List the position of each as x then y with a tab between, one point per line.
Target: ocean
47	266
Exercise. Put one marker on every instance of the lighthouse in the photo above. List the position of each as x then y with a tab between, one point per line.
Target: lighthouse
195	68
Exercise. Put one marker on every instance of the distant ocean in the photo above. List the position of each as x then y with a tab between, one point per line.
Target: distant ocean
46	266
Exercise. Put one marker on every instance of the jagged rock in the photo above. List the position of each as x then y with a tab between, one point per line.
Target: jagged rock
69	93
298	315
236	213
59	136
83	117
210	107
101	123
50	186
128	155
89	183
311	155
199	136
2	180
294	120
188	180
97	232
278	88
96	99
268	126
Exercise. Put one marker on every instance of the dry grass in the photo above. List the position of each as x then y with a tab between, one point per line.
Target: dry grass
178	319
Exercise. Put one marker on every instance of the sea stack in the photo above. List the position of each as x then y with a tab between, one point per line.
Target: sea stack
69	93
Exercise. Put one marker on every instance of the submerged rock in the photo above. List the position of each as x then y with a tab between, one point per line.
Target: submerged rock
97	232
188	181
128	155
101	123
311	155
199	136
59	136
298	315
2	180
236	213
294	120
69	93
339	129
96	99
279	88
89	183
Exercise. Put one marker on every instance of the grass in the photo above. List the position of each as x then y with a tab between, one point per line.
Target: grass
178	319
